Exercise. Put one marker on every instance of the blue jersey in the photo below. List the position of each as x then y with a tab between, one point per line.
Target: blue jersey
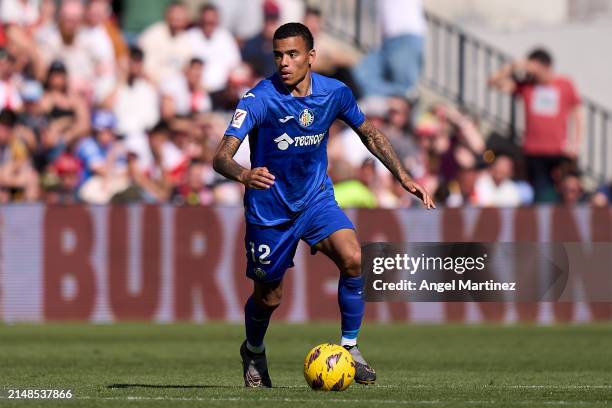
288	135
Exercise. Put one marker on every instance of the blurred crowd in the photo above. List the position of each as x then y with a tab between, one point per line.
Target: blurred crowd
95	109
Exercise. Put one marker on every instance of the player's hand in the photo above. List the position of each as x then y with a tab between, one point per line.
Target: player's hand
420	192
258	178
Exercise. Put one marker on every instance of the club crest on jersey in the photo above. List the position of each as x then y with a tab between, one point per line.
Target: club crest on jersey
306	117
260	273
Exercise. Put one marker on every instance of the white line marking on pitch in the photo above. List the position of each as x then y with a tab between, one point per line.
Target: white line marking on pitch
324	401
327	401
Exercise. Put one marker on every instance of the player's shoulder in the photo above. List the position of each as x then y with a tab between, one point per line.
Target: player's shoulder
325	84
262	90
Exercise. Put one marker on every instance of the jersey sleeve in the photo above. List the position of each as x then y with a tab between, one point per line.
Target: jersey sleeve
349	111
249	114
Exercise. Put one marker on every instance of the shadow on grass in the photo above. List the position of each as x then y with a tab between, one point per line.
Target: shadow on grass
177	386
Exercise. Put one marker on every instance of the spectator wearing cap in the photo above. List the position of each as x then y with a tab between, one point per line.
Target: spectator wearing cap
185	94
165	44
65	109
61	181
103	161
134	98
257	51
9	83
18	180
31	121
215	46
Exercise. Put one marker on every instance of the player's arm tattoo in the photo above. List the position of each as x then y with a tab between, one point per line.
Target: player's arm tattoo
224	162
379	146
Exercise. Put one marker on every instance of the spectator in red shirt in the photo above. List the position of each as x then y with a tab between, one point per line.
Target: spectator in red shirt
551	102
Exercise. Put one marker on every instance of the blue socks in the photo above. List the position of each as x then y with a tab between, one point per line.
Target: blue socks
256	320
352	306
350	300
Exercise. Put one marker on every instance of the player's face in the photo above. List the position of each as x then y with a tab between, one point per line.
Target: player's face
293	59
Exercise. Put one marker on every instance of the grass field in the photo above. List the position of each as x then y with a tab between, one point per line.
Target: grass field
198	365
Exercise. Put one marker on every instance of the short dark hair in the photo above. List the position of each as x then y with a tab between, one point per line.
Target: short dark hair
540	55
136	53
295	30
161	127
8	118
195	61
175	3
208	7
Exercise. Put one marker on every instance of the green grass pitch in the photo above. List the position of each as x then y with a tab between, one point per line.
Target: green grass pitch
199	366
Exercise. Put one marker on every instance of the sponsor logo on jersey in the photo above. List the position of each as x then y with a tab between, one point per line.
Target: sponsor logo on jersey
248	95
238	118
306	117
284	141
285	119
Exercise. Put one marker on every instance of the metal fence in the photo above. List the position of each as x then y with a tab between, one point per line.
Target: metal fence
457	65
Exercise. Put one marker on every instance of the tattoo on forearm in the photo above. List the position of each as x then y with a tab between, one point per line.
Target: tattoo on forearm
224	162
379	145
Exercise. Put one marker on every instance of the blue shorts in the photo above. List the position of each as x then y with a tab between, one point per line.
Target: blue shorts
270	250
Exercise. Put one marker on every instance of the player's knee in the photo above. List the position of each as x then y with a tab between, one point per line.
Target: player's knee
351	263
270	300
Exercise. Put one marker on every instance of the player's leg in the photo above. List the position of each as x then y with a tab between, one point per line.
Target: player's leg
328	229
270	252
343	248
266	297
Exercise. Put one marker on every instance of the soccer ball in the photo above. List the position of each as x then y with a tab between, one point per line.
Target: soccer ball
329	367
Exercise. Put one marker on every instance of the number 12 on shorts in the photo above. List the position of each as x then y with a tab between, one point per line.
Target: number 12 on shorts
264	251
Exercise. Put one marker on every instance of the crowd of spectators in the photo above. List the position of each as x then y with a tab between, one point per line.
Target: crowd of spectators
97	113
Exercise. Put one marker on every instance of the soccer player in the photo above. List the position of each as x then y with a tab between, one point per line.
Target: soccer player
289	195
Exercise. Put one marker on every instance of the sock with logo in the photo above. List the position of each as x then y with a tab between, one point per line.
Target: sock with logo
256	320
352	306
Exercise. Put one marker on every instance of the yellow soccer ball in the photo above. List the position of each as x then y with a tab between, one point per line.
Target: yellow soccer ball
329	367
